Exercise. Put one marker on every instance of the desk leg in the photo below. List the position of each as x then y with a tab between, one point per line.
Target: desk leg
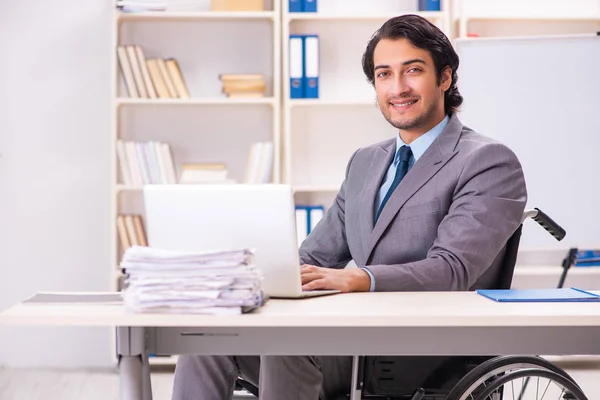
134	369
146	382
356	388
130	375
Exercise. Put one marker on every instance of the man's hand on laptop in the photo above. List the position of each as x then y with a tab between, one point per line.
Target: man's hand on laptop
345	280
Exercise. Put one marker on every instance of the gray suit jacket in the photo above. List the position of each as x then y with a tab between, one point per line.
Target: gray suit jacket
444	228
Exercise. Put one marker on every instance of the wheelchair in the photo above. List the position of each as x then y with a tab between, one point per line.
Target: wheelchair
507	377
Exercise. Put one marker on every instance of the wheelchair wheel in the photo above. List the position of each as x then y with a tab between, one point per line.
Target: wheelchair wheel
489	370
553	386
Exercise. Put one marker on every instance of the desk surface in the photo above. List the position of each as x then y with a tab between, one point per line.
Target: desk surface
399	309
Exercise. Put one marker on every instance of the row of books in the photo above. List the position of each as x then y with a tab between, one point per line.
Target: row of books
150	78
302	5
307	217
130	231
243	85
189	5
151	162
312	6
234	5
142	163
304	66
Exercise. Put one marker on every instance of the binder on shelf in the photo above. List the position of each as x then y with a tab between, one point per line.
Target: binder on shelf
429	5
539	295
310	5
311	66
295	5
296	62
307	218
587	258
314	216
301	224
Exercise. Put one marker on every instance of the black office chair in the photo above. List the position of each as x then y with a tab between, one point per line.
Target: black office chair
460	377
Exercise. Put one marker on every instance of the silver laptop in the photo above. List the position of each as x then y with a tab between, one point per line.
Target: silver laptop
213	216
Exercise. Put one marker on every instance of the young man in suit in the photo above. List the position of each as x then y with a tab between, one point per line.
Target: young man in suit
430	209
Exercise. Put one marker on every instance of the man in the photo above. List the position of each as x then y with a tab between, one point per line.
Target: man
430	209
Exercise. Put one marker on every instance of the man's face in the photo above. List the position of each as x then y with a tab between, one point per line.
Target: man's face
406	84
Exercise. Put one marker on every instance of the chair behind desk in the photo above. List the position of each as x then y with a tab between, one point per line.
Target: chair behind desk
389	375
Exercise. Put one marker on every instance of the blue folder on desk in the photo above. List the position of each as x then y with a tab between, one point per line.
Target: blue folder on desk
539	295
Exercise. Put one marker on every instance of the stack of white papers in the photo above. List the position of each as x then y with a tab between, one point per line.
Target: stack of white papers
211	282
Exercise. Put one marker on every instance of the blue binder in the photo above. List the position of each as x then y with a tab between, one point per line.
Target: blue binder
311	213
539	295
311	66
295	5
296	67
309	5
587	258
429	5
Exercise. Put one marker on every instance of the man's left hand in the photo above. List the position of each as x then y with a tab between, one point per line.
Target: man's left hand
345	280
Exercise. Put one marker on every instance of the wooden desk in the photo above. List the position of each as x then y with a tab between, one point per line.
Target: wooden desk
406	323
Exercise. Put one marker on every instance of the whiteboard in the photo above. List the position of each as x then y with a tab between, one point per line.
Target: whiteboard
541	97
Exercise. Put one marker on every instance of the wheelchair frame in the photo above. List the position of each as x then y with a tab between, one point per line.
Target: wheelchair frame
495	370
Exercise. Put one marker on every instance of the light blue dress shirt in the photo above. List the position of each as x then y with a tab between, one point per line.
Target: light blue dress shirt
418	147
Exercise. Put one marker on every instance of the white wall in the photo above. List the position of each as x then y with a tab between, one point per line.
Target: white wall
54	169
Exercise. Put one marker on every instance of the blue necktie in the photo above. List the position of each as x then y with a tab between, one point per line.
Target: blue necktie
401	170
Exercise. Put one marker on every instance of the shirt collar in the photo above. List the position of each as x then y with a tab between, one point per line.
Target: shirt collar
420	144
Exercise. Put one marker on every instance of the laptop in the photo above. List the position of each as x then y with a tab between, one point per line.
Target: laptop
219	216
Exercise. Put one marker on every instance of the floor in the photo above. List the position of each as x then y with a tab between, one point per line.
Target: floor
31	384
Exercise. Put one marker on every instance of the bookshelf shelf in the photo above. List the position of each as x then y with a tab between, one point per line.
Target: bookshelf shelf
196	101
124	188
549	18
316	188
183	16
330	102
360	17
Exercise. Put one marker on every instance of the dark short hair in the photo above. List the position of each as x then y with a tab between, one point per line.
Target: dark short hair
425	35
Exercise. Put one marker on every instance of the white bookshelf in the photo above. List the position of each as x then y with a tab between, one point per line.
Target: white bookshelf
208	127
320	135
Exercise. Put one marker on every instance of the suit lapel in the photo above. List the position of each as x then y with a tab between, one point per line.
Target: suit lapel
435	157
380	163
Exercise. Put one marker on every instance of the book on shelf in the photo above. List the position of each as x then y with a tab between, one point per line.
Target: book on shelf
260	163
243	85
237	5
142	163
204	173
130	231
150	78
